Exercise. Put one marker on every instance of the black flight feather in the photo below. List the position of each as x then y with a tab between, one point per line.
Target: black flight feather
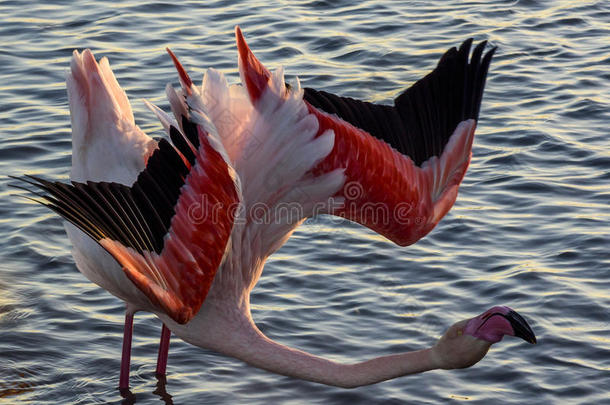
425	115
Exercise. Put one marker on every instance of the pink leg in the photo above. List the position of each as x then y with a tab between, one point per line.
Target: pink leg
126	356
163	350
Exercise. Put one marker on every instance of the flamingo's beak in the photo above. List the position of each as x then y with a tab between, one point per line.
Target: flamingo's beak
520	326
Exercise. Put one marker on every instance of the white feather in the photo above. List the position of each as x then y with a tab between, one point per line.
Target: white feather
107	145
166	120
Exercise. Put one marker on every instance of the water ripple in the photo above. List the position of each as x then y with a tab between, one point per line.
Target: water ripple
530	227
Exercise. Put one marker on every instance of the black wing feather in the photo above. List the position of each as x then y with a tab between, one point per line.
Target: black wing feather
138	216
425	115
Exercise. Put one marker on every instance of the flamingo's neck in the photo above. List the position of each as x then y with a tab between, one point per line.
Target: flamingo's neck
260	351
236	335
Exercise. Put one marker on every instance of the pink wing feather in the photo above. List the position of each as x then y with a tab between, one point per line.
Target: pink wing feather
179	278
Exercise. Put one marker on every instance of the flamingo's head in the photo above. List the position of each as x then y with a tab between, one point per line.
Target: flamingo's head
466	342
498	321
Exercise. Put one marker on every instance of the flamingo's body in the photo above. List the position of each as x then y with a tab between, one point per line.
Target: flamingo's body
276	151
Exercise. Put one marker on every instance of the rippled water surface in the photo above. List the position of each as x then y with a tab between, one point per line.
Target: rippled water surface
530	228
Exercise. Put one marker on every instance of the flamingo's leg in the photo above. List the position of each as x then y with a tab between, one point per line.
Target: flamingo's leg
163	351
126	356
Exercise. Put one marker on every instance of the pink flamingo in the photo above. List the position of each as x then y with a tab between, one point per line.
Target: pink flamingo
183	229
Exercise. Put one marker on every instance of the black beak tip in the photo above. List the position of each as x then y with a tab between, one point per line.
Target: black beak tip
531	339
521	327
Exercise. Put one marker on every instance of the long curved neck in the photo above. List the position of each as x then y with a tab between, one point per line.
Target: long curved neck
252	346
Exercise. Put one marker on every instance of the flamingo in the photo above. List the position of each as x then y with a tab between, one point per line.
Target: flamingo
182	229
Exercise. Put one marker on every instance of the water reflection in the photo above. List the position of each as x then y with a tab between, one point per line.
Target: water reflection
129	398
161	392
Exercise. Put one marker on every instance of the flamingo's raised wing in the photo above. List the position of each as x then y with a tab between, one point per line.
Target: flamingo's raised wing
107	145
403	163
170	229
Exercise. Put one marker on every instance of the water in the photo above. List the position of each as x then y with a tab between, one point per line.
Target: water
530	228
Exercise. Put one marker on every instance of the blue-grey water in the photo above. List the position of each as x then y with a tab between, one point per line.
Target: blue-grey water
530	228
